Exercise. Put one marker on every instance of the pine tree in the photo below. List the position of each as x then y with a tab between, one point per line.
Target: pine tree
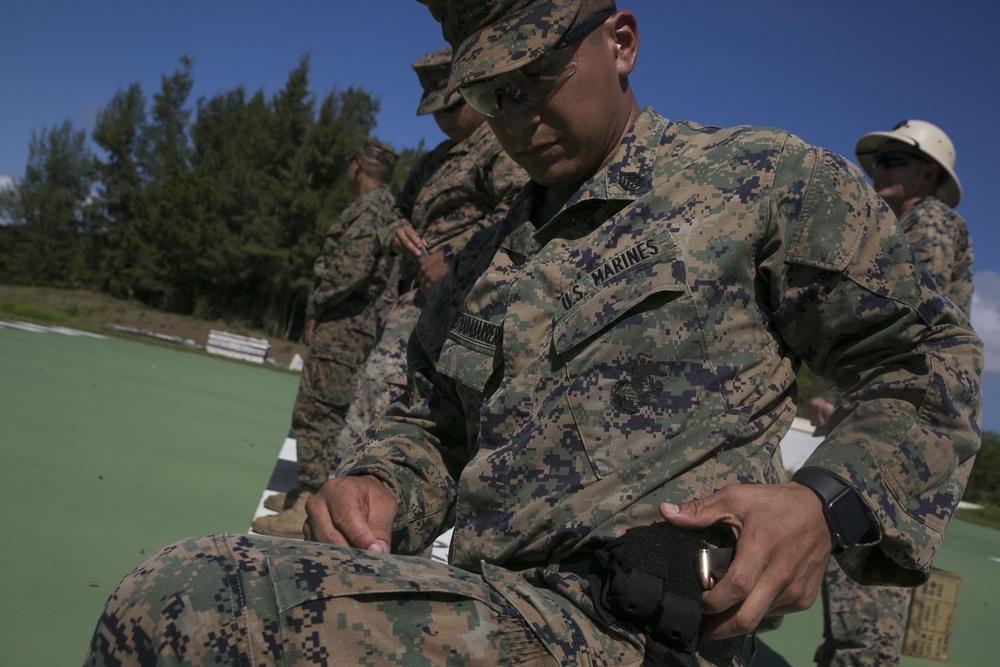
49	211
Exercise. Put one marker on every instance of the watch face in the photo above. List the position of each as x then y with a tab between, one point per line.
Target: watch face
851	518
842	507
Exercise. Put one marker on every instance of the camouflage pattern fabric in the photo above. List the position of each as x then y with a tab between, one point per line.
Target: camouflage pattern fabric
350	272
862	625
640	348
432	71
491	38
865	625
637	348
253	600
259	601
940	240
382	378
455	190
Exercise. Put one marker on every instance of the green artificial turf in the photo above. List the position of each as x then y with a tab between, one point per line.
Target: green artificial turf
109	450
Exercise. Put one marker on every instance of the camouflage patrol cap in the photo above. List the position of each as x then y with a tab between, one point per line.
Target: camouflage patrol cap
378	151
433	70
491	37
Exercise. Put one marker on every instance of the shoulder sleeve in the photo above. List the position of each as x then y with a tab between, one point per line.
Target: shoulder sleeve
940	241
851	300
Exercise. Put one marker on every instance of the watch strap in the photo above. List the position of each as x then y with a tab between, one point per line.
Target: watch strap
842	507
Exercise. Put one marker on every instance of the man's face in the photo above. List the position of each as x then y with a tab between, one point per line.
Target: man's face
897	183
566	137
458	122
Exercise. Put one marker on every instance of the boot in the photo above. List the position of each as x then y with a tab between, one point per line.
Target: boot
276	502
279	502
287	523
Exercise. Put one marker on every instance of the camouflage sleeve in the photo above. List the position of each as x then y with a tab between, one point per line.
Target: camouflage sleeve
407	196
346	260
503	179
940	241
934	247
419	447
404	447
499	178
851	300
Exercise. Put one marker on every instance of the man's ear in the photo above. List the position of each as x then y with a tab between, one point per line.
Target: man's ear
626	31
931	174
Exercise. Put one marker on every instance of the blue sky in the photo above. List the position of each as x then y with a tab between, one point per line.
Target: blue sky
827	72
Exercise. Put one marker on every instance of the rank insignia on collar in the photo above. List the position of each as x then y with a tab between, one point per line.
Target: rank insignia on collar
629	181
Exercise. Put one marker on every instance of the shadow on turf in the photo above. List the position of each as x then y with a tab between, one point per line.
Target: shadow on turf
766	657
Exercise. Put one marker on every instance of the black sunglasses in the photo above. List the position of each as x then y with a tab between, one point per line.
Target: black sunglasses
893	159
580	30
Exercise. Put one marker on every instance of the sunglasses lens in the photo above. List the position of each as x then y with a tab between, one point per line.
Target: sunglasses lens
529	85
536	81
891	160
482	96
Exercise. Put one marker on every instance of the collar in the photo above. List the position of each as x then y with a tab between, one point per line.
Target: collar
627	177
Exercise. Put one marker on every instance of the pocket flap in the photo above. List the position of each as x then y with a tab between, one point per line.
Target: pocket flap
598	310
353	572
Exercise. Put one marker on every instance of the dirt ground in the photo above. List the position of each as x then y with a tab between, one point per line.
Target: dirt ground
91	311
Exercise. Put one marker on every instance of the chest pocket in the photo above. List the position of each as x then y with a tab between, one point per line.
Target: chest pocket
637	366
471	353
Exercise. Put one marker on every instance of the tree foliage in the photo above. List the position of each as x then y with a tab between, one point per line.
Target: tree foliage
46	240
215	209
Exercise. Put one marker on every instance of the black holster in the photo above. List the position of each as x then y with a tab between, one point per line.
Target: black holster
647	580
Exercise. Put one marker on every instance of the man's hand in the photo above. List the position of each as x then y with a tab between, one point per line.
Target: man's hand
432	269
819	410
783	545
353	511
407	242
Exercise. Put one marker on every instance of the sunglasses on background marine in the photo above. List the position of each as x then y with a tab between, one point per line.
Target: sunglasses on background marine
893	159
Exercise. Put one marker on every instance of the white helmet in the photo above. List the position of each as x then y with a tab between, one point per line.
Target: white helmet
929	140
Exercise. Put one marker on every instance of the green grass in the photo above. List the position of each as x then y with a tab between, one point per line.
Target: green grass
36	314
988	516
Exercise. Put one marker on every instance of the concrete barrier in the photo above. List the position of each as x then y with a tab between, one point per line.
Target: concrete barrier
238	347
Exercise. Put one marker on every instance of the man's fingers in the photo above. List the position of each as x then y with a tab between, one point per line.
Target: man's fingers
777	566
354	511
705	512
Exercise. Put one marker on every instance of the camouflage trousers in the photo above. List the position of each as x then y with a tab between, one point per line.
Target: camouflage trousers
325	391
254	601
862	625
382	379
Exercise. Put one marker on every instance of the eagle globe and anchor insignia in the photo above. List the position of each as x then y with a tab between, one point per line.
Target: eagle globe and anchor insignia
638	387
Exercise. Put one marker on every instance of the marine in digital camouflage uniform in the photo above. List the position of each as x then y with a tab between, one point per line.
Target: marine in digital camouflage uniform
912	168
463	185
620	351
349	274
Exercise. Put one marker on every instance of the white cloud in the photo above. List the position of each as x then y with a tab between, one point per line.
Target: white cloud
986	315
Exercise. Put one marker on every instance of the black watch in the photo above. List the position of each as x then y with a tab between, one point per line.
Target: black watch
845	513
